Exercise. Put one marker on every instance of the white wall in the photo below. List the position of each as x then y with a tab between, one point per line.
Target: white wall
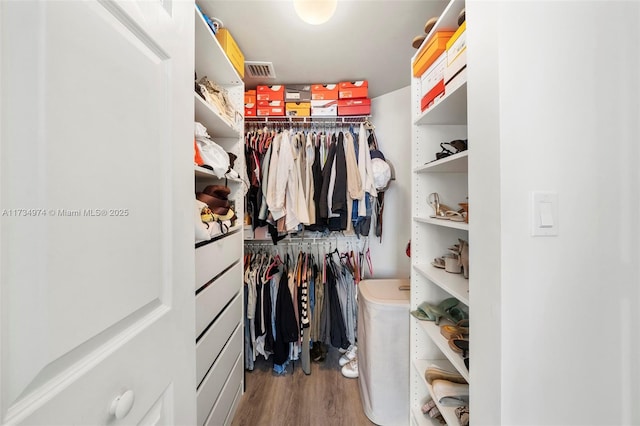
566	119
391	115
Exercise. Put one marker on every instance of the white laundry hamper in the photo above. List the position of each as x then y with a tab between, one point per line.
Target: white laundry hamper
383	350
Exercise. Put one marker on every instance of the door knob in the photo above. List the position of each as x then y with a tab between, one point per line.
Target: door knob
122	404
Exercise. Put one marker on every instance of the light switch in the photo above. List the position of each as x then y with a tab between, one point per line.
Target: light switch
544	206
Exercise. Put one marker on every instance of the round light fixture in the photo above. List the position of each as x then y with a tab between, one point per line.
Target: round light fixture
315	12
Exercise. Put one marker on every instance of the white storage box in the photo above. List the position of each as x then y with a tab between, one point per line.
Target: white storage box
383	350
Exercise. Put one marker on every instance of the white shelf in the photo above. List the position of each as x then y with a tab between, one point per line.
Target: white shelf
443	222
210	59
202	172
449	109
448	413
456	163
210	118
454	284
433	331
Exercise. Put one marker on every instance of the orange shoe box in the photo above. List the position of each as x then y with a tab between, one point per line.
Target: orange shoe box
431	51
323	92
298	109
250	97
359	106
270	108
270	93
250	112
353	89
435	93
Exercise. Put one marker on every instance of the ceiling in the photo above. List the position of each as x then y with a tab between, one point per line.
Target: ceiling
364	40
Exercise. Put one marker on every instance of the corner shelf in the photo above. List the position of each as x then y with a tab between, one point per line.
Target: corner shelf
215	123
454	358
443	222
448	413
449	109
454	284
456	163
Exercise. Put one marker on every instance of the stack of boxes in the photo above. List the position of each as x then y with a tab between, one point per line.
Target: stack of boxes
250	105
441	65
270	100
324	100
298	100
353	98
312	100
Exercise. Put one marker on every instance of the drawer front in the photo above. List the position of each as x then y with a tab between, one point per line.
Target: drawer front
213	383
215	296
223	411
234	406
215	257
213	340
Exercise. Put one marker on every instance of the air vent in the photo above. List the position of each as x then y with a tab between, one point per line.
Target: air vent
256	69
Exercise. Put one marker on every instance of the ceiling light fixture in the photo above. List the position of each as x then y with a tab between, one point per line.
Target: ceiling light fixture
315	12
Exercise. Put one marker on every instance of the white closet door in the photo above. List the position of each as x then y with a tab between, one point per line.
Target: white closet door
96	192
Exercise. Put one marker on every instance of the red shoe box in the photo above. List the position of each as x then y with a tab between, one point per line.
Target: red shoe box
271	108
432	95
360	106
353	89
250	112
270	93
323	92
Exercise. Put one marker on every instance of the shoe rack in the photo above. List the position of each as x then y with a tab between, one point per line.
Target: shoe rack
445	121
218	287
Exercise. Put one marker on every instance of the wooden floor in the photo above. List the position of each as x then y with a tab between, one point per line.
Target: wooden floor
325	397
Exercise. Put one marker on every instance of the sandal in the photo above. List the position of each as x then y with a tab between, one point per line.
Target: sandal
454	216
439	209
461	328
438	262
460	345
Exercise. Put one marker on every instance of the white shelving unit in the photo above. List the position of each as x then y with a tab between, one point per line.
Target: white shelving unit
218	287
444	121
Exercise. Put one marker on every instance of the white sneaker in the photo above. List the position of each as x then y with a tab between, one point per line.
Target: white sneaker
350	370
348	355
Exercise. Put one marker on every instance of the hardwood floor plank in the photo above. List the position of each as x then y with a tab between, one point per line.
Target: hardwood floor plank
325	397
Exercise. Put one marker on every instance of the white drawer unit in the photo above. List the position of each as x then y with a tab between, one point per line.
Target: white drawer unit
210	344
215	296
215	257
212	387
229	397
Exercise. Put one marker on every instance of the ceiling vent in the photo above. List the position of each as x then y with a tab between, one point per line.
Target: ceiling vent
255	69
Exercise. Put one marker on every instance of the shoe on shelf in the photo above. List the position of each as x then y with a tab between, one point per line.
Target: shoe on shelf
460	344
435	373
450	394
348	355
350	369
461	328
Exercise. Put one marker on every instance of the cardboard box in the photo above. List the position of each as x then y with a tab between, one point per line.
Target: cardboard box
323	92
271	111
360	106
270	93
324	108
353	89
250	112
431	51
270	108
456	67
231	49
433	75
297	93
434	94
298	109
457	43
250	97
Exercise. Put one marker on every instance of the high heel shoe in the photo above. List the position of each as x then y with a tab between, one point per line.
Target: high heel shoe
463	258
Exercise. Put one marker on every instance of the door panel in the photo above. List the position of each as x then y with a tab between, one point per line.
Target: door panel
95	188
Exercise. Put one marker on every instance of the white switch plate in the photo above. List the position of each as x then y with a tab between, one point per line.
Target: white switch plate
544	214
